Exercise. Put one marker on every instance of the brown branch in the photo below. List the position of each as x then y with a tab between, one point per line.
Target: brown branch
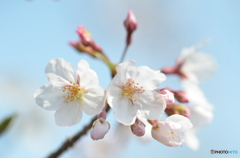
70	141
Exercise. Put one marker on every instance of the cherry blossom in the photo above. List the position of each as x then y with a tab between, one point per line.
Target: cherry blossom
193	65
170	132
131	93
70	91
200	109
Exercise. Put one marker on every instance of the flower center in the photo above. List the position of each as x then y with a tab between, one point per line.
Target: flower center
131	88
73	91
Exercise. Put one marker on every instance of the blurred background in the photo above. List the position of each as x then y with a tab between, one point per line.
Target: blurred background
34	31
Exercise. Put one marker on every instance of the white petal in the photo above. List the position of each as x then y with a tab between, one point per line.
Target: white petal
185	52
49	98
61	68
200	65
124	111
193	91
114	91
148	78
57	81
183	121
125	70
151	105
88	77
70	115
199	112
168	96
162	134
92	100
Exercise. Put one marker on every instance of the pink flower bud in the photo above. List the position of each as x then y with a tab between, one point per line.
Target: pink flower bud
130	22
87	40
181	96
99	129
138	128
167	95
131	25
85	35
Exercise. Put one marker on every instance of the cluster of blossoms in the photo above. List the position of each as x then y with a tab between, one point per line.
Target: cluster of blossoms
133	93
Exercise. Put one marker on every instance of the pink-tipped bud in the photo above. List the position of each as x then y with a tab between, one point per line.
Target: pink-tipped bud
87	40
177	109
131	25
181	96
85	35
131	22
99	129
138	128
167	95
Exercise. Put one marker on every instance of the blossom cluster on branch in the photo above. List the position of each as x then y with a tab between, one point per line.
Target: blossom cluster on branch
134	94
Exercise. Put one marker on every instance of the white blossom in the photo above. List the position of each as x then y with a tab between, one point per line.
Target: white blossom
170	132
131	93
200	109
196	66
70	91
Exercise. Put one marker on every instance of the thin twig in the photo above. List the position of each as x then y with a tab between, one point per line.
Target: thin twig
70	141
124	53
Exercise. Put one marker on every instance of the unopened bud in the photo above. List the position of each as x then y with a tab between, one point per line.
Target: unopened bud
131	25
84	35
167	95
181	96
87	40
177	109
138	128
99	129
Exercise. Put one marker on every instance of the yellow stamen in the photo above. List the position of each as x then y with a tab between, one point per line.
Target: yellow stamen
74	92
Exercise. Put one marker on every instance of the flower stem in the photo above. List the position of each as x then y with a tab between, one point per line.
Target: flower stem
124	53
70	141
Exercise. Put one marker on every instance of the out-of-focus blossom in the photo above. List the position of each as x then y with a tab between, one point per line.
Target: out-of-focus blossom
99	129
131	93
193	65
113	144
138	128
167	95
201	113
170	132
131	25
31	127
70	91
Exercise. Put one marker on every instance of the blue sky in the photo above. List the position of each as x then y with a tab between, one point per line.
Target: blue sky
33	32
